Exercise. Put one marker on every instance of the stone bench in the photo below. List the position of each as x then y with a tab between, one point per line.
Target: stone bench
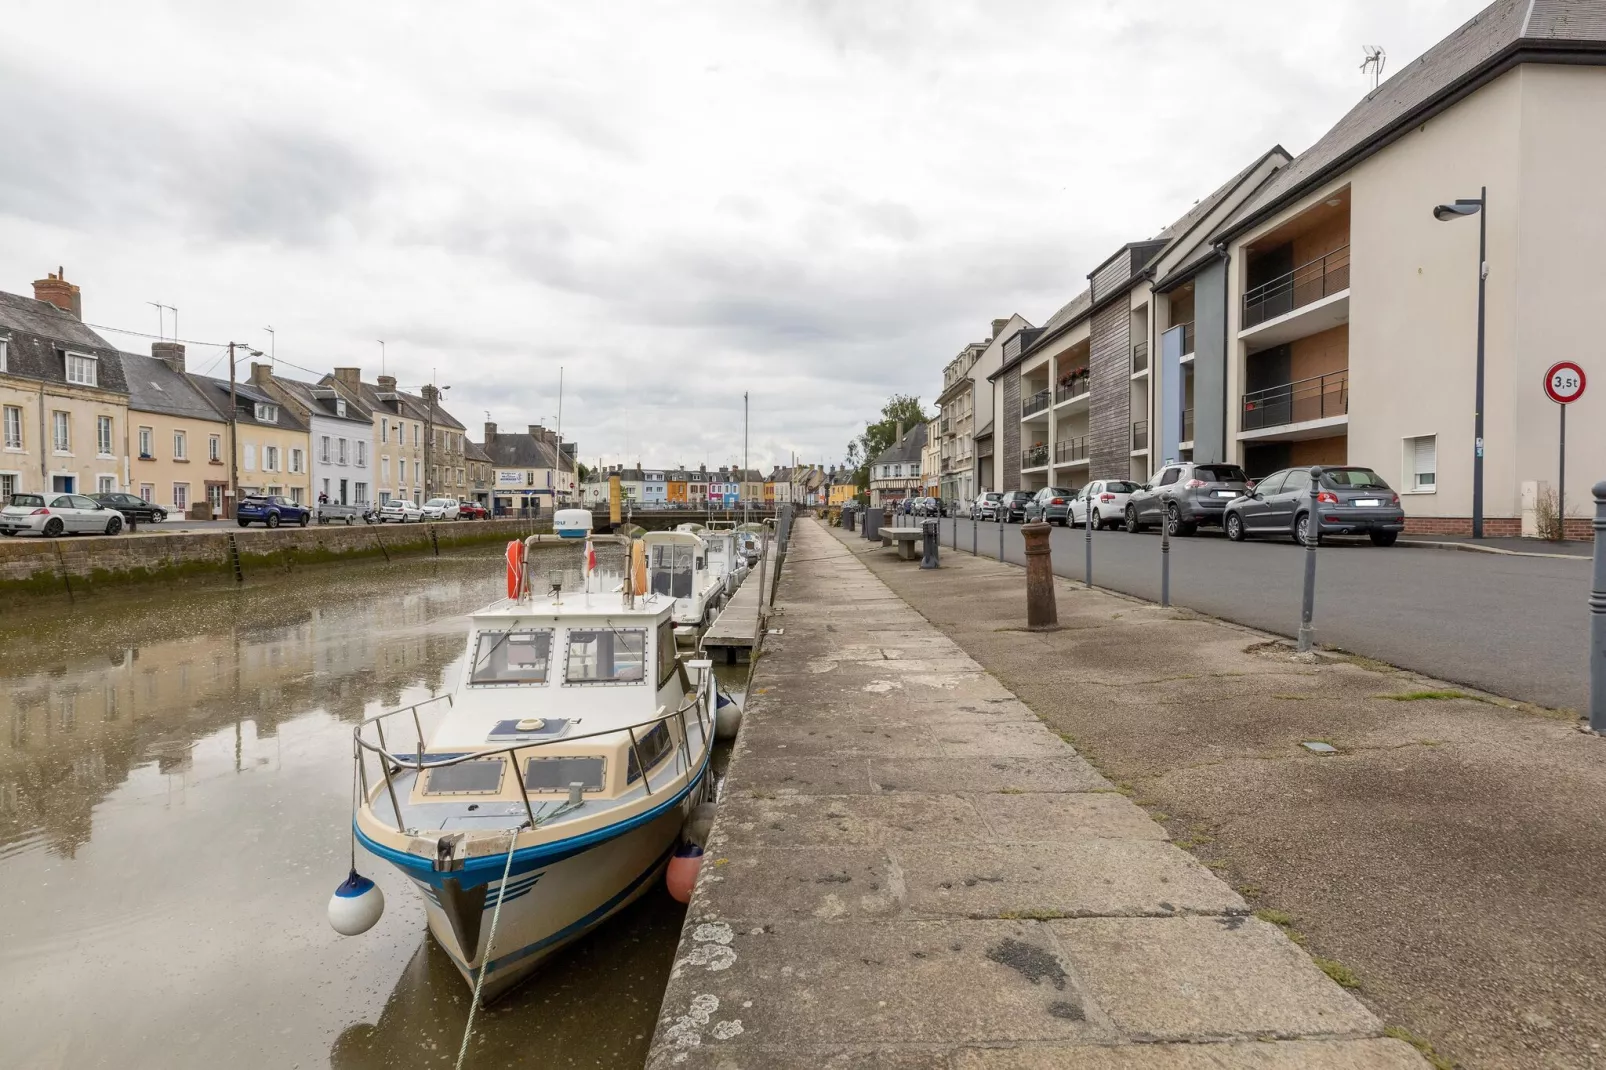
908	540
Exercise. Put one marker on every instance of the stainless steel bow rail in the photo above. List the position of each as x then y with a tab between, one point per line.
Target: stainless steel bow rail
391	763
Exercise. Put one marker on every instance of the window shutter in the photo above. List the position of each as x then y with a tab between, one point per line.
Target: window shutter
1426	450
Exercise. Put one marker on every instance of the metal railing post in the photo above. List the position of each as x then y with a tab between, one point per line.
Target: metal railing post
1597	618
974	527
1165	559
1087	526
1307	605
1000	539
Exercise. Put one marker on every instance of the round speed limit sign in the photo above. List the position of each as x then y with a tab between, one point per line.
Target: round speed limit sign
1564	382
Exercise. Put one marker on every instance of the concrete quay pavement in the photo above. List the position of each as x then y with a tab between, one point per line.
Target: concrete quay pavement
909	871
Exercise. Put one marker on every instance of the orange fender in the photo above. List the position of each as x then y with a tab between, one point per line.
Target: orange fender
515	567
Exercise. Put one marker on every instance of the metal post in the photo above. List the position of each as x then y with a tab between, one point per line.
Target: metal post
1087	525
930	541
1561	476
1040	611
1307	607
1477	430
1597	618
1000	539
974	529
1165	560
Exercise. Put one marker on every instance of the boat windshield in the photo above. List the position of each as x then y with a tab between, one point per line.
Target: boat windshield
512	657
671	570
606	655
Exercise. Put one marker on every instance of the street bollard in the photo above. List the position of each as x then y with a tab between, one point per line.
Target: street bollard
1040	612
1165	560
1597	619
875	518
1000	539
930	540
953	534
1087	525
1307	606
974	527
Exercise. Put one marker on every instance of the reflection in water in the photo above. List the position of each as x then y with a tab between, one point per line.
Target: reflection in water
174	804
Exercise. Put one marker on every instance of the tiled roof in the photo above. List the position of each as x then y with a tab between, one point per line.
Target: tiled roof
155	387
521	450
472	451
216	391
1475	52
906	449
320	401
36	331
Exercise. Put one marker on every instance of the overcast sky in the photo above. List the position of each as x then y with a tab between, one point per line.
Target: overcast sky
818	201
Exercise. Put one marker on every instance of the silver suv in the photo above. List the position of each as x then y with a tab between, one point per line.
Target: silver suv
1185	495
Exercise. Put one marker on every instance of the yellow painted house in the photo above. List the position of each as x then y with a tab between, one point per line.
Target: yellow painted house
178	441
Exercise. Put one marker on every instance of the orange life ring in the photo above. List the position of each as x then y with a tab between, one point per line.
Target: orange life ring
515	567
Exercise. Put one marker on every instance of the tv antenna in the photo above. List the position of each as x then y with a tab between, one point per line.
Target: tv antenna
1374	62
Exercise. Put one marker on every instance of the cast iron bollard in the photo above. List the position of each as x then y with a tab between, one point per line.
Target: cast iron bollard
1087	527
1000	538
1313	528
930	541
974	527
1040	612
1597	619
876	518
953	541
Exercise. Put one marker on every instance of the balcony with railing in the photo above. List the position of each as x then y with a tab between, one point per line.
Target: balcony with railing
1324	277
984	447
1073	384
1140	435
1035	457
1187	338
1320	397
1035	404
1071	450
1140	358
1187	425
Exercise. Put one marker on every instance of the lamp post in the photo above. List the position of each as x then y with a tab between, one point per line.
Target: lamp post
1465	206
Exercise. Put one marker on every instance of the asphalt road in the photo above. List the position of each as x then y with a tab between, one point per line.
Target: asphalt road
1512	626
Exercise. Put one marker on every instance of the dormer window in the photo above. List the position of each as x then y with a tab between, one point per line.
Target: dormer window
340	406
267	414
82	369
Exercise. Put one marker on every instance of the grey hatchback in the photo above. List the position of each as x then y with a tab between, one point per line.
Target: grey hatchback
1051	505
1185	495
1349	501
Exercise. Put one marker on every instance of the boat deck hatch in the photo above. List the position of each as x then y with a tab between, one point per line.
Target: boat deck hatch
556	774
466	778
529	728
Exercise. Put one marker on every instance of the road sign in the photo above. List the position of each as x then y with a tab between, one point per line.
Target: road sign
1564	382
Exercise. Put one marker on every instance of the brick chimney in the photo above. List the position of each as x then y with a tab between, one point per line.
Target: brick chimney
170	354
387	383
350	378
999	325
490	432
538	432
58	291
261	374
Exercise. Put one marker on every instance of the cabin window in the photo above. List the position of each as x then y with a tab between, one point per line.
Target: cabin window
666	651
512	657
606	655
671	569
466	778
556	774
654	746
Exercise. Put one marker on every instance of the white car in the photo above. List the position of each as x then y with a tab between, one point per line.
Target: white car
441	509
400	511
1105	499
58	514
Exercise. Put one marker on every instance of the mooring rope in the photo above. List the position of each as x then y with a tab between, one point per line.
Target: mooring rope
490	943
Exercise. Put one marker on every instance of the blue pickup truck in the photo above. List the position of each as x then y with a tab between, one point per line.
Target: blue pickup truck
272	510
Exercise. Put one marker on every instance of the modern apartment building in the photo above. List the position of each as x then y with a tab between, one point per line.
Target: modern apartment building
63	397
966	409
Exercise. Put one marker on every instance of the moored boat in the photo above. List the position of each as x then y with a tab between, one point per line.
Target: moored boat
678	569
556	779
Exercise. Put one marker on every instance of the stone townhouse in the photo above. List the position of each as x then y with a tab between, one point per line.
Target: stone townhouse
179	440
339	431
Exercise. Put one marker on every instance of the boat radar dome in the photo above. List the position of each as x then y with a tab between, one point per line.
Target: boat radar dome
356	905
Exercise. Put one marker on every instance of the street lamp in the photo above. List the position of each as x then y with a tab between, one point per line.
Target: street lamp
1466	206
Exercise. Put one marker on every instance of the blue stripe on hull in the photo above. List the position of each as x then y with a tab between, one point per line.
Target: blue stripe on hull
487	868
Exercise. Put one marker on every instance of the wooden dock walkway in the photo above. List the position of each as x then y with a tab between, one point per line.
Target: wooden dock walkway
738	623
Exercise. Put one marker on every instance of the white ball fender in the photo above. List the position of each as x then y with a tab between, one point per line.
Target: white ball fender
356	905
699	824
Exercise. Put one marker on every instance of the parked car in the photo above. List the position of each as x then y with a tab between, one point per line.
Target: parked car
400	511
470	511
929	507
1183	495
134	508
58	514
1103	499
441	509
1350	500
272	510
1050	505
961	507
1012	506
987	505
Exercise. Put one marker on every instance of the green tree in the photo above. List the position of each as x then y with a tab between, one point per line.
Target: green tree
879	434
581	472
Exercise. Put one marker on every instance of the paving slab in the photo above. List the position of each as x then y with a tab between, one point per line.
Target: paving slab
910	871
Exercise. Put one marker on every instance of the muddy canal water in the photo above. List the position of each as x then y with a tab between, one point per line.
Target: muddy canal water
175	777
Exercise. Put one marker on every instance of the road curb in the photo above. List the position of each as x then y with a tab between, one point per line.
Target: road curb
1422	544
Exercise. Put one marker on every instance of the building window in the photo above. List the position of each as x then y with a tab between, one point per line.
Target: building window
362	454
323	449
4	367
103	435
1422	463
415	435
13	428
342	456
105	484
250	461
361	492
181	497
147	491
384	469
384	430
180	447
295	460
267	414
340	406
214	447
147	450
401	470
8	486
295	495
61	432
214	496
82	369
